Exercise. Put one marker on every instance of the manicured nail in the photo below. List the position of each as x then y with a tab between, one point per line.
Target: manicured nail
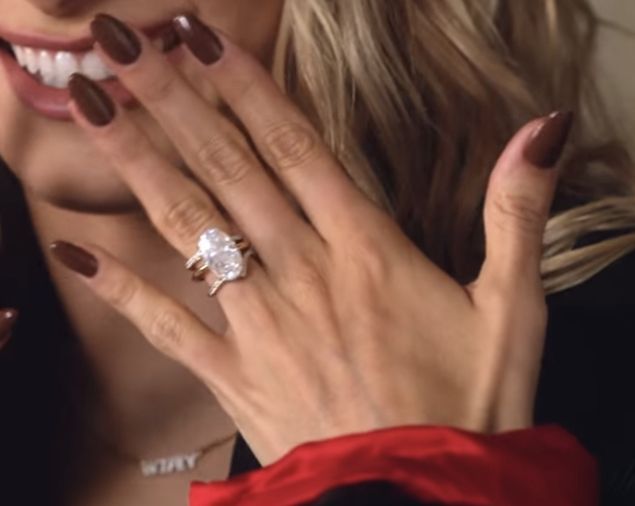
549	139
8	318
116	39
75	258
169	38
199	38
94	103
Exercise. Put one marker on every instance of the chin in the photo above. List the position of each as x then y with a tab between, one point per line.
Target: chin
87	203
56	164
96	195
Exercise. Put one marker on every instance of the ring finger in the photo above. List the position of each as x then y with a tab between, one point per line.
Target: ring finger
218	154
179	208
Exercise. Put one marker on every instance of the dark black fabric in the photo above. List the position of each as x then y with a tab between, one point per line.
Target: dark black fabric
370	493
243	459
43	387
586	385
588	374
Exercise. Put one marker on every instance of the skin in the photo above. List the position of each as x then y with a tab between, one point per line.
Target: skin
467	357
344	310
151	406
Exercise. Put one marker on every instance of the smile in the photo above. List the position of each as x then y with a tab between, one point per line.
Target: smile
38	68
53	68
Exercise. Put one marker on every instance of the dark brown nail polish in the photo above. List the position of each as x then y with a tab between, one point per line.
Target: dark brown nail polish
169	38
199	38
94	103
116	39
8	318
549	139
75	258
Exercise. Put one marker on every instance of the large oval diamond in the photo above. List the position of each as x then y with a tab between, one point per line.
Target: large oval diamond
221	254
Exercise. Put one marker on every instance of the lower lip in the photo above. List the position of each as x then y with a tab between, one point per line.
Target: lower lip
53	102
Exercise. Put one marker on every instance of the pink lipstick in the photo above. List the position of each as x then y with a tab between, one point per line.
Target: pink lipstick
38	67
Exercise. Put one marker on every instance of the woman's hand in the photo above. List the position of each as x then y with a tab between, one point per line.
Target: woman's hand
343	325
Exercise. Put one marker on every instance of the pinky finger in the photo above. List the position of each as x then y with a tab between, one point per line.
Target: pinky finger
169	326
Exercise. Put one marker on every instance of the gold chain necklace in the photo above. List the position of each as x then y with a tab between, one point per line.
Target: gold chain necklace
171	464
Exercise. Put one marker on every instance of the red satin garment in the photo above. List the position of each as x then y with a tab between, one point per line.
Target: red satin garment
542	466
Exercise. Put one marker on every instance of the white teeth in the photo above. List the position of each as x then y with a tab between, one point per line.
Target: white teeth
47	68
53	68
65	65
92	66
31	60
19	55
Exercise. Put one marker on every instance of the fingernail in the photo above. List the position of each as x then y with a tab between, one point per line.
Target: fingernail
199	38
116	39
75	258
94	103
8	318
549	139
168	38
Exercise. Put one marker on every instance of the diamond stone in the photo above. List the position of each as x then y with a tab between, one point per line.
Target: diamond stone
221	254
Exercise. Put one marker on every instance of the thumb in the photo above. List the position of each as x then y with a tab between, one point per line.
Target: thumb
519	197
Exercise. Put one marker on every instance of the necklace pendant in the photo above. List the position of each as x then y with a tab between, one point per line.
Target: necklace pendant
170	465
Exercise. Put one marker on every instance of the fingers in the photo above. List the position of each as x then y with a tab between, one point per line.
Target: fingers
168	326
282	134
8	317
215	150
518	201
176	205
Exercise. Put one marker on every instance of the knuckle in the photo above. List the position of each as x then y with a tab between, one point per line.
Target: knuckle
158	89
290	145
244	90
120	290
496	293
305	274
186	218
165	330
130	147
224	160
518	212
258	311
507	297
307	281
510	319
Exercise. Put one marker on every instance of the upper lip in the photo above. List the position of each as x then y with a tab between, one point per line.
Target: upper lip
59	43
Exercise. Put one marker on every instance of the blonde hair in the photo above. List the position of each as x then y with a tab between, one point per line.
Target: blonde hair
419	97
